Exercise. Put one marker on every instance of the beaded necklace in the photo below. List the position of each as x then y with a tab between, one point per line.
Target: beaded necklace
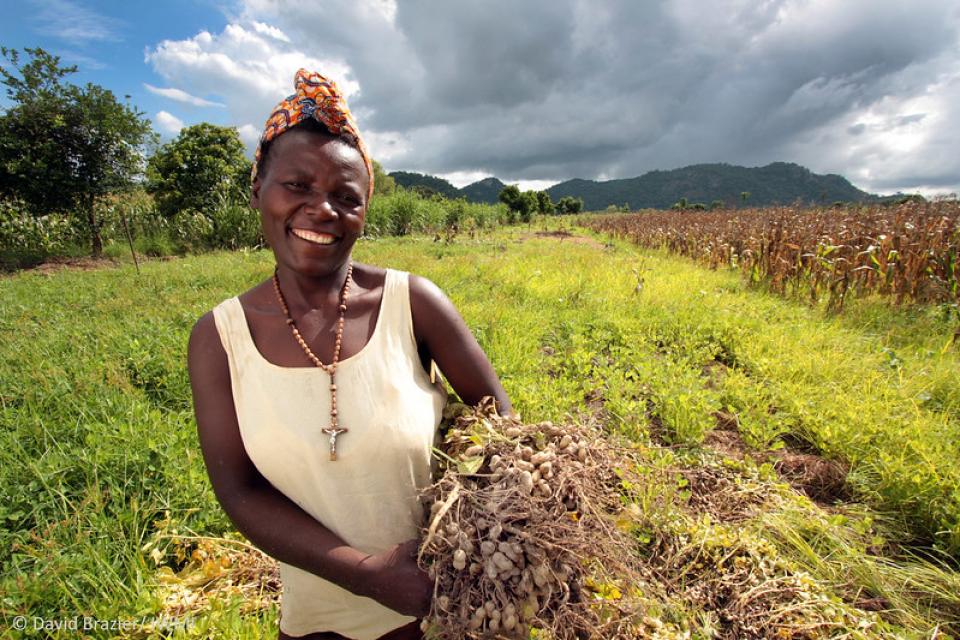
334	429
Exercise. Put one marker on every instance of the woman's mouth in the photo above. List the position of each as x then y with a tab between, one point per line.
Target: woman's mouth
314	237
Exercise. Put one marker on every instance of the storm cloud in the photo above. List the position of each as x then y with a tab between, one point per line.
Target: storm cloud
548	90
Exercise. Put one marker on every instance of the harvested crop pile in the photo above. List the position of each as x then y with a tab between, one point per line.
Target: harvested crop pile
524	534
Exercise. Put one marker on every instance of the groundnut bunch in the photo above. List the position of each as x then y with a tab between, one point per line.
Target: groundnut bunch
519	521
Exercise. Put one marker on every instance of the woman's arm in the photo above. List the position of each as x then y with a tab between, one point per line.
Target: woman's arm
268	518
439	328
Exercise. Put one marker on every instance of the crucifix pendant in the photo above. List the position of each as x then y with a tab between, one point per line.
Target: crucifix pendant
333	432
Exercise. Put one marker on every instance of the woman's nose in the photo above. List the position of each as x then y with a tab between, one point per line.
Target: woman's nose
318	204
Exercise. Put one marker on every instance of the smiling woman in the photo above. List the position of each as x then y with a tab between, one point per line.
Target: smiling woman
315	411
312	199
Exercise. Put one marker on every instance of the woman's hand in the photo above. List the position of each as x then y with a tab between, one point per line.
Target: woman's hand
394	580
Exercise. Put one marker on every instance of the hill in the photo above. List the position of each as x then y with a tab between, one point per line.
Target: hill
486	190
407	180
776	183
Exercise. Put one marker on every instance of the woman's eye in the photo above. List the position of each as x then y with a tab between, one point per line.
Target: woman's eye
296	186
350	199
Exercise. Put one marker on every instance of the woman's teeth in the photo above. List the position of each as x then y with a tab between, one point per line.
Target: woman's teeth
316	238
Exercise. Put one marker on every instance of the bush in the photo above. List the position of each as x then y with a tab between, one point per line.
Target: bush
191	230
403	212
27	240
234	225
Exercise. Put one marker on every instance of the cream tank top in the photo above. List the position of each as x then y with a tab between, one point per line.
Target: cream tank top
368	496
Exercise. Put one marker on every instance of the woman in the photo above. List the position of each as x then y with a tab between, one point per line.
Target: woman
314	407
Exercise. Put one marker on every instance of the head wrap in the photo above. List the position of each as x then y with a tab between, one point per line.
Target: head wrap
318	98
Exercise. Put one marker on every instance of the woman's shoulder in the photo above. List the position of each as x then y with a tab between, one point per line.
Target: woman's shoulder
430	308
204	335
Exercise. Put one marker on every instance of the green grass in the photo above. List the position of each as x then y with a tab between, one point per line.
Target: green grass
99	464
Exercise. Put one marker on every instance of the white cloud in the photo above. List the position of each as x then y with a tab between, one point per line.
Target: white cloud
904	142
168	123
460	179
181	96
250	135
532	185
385	146
546	90
273	32
69	21
248	71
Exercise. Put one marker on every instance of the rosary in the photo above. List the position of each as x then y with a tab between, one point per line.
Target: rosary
334	429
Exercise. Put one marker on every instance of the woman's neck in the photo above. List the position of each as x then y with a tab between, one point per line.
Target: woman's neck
306	293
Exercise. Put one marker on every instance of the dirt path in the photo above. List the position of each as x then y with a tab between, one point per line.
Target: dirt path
565	236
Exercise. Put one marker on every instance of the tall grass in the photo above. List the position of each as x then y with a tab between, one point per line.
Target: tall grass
404	212
910	253
27	240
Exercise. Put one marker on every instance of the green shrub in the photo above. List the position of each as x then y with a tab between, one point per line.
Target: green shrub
155	245
26	239
234	225
191	230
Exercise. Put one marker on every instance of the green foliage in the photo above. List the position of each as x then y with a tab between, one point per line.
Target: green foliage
62	146
383	183
569	204
27	239
405	211
544	203
200	170
510	196
524	204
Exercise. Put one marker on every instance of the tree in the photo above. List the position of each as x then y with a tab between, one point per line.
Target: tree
510	196
383	183
63	146
529	205
569	204
544	204
525	204
744	195
202	168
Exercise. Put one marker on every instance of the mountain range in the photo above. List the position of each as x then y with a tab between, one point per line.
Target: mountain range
776	183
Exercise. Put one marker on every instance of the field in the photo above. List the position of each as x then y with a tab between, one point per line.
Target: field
909	252
802	464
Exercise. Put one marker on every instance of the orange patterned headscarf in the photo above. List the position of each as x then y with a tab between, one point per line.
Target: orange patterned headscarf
320	99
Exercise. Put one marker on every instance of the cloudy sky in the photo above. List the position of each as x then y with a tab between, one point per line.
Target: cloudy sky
540	91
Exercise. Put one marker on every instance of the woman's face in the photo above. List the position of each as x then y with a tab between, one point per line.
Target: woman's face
312	201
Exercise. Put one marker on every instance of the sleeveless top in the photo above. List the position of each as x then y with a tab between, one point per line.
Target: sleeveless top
368	496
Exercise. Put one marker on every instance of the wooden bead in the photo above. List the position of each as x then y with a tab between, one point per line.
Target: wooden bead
329	368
